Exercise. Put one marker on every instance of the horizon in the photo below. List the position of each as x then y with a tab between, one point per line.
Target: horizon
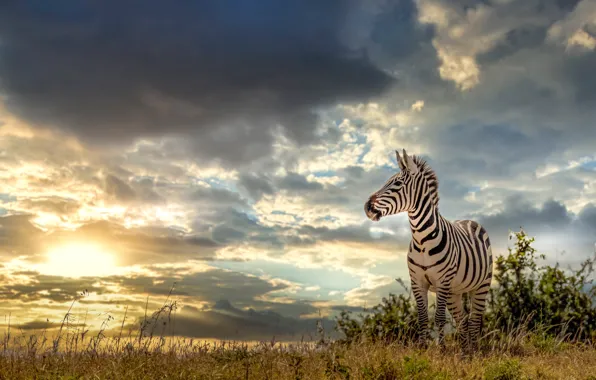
228	148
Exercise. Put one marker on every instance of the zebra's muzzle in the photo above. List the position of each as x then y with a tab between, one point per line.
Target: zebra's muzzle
370	211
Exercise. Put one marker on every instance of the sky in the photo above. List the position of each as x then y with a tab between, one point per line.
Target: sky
226	149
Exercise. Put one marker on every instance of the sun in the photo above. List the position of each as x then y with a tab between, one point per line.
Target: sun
79	260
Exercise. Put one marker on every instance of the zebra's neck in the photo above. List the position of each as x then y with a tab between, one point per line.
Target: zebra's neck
426	224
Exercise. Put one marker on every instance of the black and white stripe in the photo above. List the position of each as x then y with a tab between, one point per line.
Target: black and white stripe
448	258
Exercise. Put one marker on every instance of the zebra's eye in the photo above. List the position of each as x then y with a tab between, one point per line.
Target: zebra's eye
398	183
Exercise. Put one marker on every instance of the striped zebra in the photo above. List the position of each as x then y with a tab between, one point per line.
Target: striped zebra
447	258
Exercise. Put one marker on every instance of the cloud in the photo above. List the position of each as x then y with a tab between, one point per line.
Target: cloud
556	228
465	30
298	183
54	205
226	73
37	288
578	29
227	322
38	325
117	189
211	306
18	237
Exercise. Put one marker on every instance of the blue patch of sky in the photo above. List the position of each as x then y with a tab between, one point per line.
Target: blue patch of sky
328	218
325	173
589	165
281	212
360	139
139	178
6	197
251	215
474	189
390	168
217	183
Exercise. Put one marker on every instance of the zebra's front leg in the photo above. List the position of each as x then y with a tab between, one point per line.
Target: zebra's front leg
456	309
477	306
421	296
440	313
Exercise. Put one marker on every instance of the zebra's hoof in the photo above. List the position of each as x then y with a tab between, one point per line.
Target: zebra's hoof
422	344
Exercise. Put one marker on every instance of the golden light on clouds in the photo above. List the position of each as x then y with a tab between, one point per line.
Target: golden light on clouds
79	259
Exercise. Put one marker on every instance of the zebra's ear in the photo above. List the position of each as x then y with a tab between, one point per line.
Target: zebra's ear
411	167
400	162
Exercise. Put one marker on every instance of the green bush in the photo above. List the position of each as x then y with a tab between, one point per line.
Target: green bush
546	299
555	305
394	319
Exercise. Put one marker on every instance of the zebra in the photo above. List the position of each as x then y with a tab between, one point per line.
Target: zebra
447	258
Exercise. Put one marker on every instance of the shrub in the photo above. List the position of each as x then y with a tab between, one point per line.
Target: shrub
394	319
555	305
546	299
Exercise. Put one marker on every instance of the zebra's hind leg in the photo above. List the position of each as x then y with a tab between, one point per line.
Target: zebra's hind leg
456	309
421	296
477	305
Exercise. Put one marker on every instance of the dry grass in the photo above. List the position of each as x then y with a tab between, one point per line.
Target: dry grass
73	352
184	359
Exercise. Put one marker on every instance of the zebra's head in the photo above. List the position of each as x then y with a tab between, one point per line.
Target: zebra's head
402	189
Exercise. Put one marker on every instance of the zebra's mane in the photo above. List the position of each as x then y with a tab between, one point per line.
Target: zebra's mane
431	178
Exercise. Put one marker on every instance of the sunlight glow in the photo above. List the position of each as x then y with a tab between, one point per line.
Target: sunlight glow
79	260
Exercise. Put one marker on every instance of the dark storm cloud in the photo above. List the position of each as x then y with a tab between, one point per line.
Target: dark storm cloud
117	189
210	285
587	218
50	288
229	226
520	213
226	71
578	72
529	36
225	321
146	190
355	172
38	325
348	234
256	185
297	183
216	198
485	150
551	221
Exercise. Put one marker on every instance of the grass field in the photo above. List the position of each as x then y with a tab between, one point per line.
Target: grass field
185	359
